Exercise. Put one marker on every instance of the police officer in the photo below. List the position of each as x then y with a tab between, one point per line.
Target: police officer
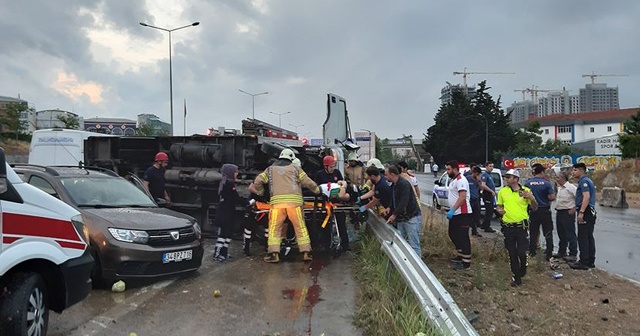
473	176
586	205
488	195
544	194
513	201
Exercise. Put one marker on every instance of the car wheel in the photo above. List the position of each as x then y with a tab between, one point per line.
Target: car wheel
25	310
435	202
97	279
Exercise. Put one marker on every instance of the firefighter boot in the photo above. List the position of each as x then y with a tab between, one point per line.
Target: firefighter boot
306	256
272	258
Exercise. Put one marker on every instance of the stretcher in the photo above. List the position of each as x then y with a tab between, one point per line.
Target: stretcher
319	212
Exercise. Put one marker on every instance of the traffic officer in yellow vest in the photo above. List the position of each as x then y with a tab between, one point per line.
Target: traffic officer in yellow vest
513	201
285	182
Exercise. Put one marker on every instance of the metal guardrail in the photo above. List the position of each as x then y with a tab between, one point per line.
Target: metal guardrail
437	304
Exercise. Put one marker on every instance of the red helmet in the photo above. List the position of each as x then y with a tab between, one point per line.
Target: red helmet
328	161
162	156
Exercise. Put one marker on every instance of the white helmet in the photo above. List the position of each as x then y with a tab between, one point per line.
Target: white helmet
376	163
296	162
287	154
353	156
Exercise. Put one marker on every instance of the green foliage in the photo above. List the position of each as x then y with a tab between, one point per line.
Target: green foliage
70	121
11	118
460	128
383	153
630	140
146	130
385	305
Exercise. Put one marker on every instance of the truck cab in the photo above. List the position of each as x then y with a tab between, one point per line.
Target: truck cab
45	263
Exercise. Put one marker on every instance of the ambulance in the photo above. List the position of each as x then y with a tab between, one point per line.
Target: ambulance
45	263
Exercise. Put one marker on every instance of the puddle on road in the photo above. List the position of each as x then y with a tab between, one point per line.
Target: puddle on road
308	296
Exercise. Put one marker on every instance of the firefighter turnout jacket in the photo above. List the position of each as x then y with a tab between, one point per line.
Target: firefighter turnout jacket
285	182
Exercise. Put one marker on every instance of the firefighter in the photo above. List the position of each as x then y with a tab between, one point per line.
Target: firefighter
285	182
513	201
332	175
354	172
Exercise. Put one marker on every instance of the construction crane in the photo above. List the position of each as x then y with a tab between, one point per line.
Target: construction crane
523	92
533	90
464	74
594	75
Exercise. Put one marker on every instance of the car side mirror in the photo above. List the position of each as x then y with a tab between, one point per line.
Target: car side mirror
162	202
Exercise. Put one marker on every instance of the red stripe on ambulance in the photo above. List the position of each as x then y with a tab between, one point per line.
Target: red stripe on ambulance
9	240
26	225
65	244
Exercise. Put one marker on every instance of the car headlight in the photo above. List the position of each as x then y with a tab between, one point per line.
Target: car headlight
129	236
197	230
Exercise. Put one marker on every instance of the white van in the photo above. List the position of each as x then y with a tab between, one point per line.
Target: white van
45	262
441	187
58	146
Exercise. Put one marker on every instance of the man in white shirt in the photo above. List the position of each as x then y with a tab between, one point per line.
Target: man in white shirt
566	218
460	216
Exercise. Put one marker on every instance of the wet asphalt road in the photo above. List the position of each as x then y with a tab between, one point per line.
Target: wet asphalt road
617	234
290	298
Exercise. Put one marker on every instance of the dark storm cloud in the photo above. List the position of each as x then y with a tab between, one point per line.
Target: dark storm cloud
389	60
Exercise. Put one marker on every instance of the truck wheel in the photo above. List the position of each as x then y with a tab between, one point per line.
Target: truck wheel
25	310
435	202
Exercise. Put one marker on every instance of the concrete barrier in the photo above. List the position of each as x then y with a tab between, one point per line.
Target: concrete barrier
614	197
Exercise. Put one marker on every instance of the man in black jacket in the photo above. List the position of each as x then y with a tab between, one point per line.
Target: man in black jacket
406	211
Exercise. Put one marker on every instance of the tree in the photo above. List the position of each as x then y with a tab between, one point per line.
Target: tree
630	139
70	121
460	128
11	118
145	130
383	152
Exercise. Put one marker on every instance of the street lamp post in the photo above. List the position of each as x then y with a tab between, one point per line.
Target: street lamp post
170	62
366	130
253	101
486	138
296	126
280	117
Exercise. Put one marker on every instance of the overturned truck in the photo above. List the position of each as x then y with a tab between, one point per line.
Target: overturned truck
193	175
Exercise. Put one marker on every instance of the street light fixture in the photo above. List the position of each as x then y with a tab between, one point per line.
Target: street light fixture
253	101
170	65
366	130
486	138
296	126
280	117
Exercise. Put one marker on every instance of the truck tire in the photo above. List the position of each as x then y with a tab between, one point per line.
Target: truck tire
25	306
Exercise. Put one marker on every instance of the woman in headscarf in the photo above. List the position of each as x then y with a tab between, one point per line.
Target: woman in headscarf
225	214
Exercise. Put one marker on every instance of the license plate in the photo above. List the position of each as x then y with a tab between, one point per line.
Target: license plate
177	256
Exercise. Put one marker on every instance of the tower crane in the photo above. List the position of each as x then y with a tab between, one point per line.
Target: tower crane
593	76
464	74
533	90
523	92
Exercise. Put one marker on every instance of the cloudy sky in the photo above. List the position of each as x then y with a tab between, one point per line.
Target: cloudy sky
388	59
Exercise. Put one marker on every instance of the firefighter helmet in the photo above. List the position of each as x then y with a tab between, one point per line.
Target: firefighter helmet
287	154
353	156
328	160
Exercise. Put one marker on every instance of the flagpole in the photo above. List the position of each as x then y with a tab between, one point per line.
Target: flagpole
184	124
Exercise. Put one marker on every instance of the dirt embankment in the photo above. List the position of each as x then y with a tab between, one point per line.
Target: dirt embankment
14	147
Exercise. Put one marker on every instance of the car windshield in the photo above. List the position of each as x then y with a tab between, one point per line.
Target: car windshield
88	191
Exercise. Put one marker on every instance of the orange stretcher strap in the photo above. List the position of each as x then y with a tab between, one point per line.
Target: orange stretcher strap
307	205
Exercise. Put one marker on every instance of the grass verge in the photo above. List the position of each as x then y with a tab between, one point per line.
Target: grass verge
385	305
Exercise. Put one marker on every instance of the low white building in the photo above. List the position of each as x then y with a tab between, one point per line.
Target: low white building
579	127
